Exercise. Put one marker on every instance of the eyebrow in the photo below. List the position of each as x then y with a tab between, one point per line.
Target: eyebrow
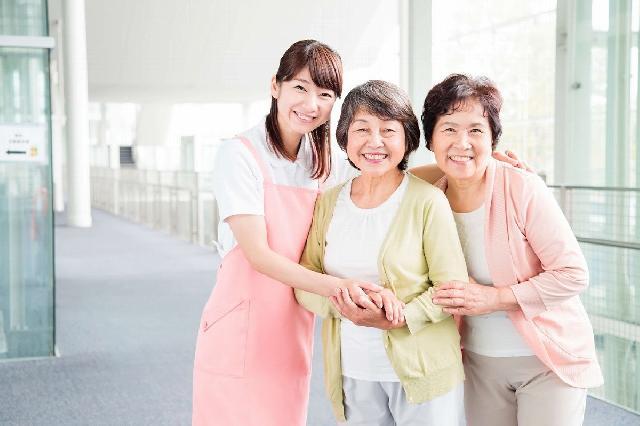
301	80
451	123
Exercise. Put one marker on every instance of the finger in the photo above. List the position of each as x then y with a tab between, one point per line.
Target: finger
362	299
503	156
370	286
386	307
511	154
456	301
450	284
346	298
449	293
398	314
376	298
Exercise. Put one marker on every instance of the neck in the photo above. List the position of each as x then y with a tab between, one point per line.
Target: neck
369	191
291	141
466	195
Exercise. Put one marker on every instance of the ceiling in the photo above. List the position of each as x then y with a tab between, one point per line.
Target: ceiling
217	51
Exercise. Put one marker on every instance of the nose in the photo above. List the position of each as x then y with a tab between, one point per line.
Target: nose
462	141
375	140
311	103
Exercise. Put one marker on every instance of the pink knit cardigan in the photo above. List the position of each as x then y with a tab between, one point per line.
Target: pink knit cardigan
530	246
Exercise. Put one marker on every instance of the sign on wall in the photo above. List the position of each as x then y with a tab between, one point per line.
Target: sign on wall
23	143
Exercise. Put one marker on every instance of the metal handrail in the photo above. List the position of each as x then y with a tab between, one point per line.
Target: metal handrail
597	188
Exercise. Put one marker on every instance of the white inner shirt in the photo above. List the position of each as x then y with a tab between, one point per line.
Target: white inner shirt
238	180
353	243
491	334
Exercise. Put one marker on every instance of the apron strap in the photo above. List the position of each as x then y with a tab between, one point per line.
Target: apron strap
266	175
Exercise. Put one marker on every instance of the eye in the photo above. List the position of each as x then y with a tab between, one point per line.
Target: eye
299	87
327	95
476	131
389	131
361	130
449	130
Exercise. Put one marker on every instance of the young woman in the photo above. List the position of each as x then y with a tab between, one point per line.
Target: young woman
253	355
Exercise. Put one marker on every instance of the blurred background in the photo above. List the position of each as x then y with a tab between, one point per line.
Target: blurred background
111	113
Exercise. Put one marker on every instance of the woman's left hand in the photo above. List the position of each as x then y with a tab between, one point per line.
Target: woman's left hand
462	298
375	317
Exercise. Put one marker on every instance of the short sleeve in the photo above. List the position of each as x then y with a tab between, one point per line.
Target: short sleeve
237	181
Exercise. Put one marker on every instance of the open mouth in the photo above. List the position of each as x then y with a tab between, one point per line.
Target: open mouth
306	118
460	158
375	157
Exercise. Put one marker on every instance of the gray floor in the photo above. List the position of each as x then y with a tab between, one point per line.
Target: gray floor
128	304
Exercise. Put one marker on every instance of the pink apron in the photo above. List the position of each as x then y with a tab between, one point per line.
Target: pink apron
253	355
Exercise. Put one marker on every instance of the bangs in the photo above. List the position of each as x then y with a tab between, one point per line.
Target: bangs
326	70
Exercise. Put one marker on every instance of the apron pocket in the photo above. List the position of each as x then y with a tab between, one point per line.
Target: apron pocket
222	339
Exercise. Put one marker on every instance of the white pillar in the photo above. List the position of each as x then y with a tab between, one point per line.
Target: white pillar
573	146
415	61
76	97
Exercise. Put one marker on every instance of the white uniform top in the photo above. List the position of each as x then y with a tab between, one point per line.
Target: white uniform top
238	180
353	243
491	334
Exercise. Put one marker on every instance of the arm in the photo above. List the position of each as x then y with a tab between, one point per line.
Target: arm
251	233
428	172
238	188
311	260
564	267
551	239
445	259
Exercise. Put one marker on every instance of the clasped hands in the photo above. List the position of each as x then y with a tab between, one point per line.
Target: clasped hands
369	306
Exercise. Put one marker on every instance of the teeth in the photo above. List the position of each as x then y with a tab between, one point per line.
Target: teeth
460	157
375	156
304	117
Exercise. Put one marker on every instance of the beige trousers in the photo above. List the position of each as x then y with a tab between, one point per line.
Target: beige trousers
519	391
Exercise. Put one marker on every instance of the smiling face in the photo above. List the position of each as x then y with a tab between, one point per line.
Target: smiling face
302	105
461	142
376	146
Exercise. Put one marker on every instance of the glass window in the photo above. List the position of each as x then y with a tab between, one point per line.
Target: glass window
512	43
23	17
26	230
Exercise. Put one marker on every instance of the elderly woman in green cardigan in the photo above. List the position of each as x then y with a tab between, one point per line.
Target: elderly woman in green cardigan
398	364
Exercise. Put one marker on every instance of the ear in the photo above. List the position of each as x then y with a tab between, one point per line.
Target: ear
275	87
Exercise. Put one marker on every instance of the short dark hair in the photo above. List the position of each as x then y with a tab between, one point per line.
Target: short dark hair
387	102
452	93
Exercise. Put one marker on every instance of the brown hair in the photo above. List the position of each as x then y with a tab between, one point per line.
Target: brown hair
451	95
325	67
387	102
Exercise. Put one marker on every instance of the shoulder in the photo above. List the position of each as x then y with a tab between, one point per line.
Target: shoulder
520	183
419	191
428	172
328	197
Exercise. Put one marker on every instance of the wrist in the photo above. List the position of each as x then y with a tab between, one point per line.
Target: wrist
507	300
334	285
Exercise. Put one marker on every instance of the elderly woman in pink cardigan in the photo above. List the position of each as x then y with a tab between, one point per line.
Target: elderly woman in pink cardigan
529	352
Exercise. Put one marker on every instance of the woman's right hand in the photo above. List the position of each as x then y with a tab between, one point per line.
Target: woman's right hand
357	291
393	307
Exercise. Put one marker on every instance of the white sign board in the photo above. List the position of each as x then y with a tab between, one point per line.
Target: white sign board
23	143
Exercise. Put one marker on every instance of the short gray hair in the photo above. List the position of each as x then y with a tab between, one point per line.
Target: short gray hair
386	101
